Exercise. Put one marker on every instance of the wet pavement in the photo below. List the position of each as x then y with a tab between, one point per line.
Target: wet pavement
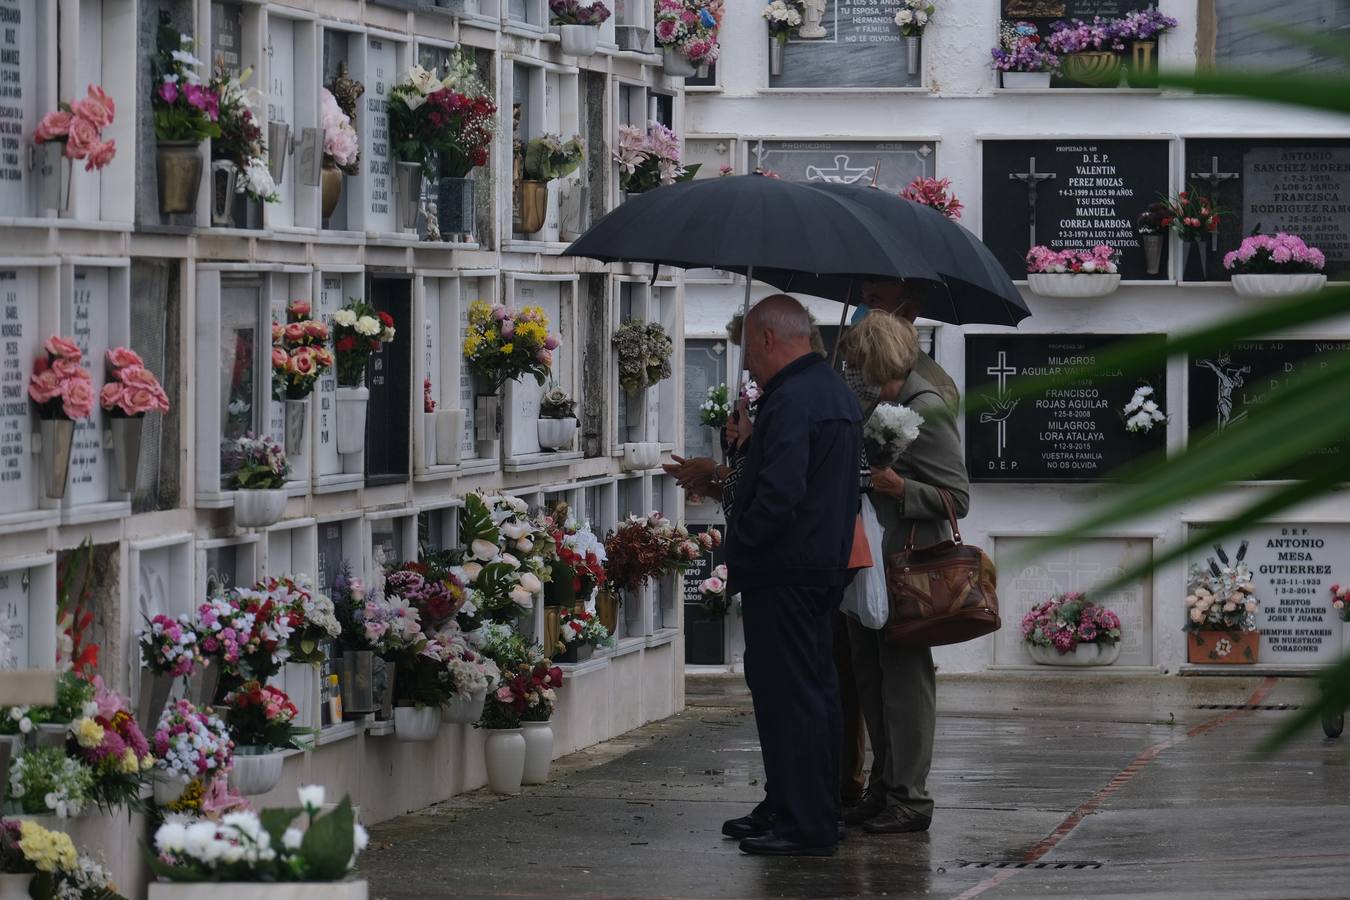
1046	786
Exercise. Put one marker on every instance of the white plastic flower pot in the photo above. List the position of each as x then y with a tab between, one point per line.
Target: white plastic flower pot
538	752
464	709
1082	655
259	509
579	40
168	788
1278	285
429	439
1026	81
256	770
351	418
504	755
449	430
640	456
1072	286
557	434
15	886
258	890
416	723
676	64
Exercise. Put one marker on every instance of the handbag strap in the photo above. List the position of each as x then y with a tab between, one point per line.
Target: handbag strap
950	504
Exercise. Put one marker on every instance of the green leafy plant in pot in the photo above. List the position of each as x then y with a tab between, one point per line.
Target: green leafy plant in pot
547	158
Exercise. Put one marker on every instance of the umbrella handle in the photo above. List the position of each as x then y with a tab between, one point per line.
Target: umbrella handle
745	313
848	298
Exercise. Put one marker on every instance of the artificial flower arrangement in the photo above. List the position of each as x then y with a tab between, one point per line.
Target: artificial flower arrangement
58	871
913	16
934	192
577	626
262	847
1142	413
1067	620
1100	260
689	27
447	120
358	332
310	617
241	140
504	647
1193	216
652	546
580	553
644	349
507	557
712	592
1155	219
1020	49
437	597
191	744
888	433
650	159
526	694
465	671
502	344
262	716
548	158
45	780
341	145
60	386
300	353
428	401
169	646
1221	597
1077	36
78	127
131	389
246	633
106	738
556	404
716	409
784	18
1280	254
184	109
1340	601
574	12
254	463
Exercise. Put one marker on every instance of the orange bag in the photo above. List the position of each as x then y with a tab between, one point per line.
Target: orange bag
860	557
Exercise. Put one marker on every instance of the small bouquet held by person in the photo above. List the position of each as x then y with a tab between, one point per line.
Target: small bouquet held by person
888	433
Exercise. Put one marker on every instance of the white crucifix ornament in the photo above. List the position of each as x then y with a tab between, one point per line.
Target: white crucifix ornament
1002	407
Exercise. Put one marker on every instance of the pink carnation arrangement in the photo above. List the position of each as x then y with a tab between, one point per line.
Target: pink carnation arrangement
79	126
934	192
131	389
192	744
1100	260
1282	254
1067	620
169	646
61	387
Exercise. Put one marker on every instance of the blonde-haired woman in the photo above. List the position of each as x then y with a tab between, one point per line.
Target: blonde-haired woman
897	686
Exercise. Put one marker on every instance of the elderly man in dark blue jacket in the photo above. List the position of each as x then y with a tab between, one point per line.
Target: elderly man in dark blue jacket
788	544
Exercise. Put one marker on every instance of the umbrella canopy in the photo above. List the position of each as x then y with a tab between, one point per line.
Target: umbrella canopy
974	287
752	224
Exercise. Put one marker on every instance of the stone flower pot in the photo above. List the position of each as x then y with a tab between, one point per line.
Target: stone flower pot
676	64
557	434
1026	81
351	418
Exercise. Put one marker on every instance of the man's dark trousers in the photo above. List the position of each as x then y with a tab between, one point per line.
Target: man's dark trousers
789	666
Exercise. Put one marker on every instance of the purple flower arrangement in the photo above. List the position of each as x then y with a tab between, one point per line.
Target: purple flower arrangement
1020	49
1282	254
1067	620
1078	36
574	12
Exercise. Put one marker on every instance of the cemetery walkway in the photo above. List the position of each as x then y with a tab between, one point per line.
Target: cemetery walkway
1101	786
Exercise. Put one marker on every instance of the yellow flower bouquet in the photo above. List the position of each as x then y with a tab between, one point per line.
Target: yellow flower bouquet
502	344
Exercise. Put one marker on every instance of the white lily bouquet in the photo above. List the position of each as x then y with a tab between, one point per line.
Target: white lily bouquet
888	433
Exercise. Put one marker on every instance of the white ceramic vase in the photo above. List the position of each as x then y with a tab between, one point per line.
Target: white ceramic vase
449	430
504	755
416	723
557	434
351	418
640	456
464	709
1278	285
256	770
677	65
1072	286
1082	655
259	508
538	751
579	40
1026	81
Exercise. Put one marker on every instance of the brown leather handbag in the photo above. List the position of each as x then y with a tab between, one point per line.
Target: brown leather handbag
943	594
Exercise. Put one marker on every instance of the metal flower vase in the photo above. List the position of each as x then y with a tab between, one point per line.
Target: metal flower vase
58	436
331	179
1199	248
224	177
776	48
912	54
487	424
278	147
358	682
533	205
126	448
54	172
297	420
155	689
455	205
178	168
1153	248
408	189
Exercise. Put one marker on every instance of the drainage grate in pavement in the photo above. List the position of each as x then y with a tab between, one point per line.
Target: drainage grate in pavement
1044	864
1259	706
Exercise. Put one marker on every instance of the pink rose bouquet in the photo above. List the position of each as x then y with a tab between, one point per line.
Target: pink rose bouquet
300	354
1282	254
192	744
1100	260
131	389
60	386
1340	601
79	126
341	147
713	592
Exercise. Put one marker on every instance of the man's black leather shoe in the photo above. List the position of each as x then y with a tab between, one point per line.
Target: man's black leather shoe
747	827
772	845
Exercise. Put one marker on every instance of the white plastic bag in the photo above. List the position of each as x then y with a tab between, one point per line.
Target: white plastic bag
865	599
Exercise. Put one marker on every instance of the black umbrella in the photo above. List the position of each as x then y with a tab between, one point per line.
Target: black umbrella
764	228
974	287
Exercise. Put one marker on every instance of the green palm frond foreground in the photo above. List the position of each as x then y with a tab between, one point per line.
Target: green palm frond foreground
1306	414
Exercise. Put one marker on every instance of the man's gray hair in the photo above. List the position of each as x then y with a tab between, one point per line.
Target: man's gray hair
782	315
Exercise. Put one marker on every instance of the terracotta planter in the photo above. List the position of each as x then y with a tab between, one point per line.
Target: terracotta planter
58	436
416	723
256	770
538	752
579	40
331	179
533	206
1095	68
259	509
1222	648
1082	655
504	754
465	709
1278	285
178	169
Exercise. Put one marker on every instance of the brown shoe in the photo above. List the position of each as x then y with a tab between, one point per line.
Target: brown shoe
866	808
896	820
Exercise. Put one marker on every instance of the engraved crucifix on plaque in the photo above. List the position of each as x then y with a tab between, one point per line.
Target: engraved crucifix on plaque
1214	178
1032	179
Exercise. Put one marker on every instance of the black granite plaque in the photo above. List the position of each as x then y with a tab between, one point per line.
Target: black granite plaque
1076	433
387	419
1225	387
704	635
330	554
855	43
1052	10
227	38
1071	194
1297	185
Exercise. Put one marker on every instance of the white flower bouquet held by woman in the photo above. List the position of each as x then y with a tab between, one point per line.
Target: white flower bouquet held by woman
888	433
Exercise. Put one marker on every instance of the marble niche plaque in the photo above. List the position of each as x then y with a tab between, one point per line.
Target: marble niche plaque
14	606
1023	585
20	344
377	159
891	165
18	102
89	470
847	44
